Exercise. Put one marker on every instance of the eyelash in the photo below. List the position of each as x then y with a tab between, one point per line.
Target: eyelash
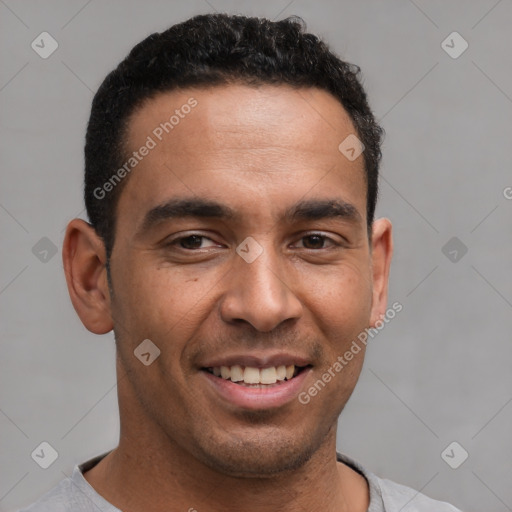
176	241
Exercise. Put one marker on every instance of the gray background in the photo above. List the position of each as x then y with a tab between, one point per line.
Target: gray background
439	372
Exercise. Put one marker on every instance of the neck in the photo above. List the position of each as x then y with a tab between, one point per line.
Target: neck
136	480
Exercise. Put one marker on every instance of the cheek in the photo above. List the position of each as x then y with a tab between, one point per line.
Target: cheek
157	305
341	297
160	302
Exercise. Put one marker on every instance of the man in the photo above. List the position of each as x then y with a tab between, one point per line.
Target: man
231	182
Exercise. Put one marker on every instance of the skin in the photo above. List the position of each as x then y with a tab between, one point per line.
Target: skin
259	151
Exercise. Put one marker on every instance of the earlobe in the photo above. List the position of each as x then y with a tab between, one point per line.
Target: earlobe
84	260
382	252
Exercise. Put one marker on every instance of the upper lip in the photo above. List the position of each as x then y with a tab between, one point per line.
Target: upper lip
257	360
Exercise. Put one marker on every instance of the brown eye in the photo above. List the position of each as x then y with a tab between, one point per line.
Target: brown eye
317	241
191	242
314	241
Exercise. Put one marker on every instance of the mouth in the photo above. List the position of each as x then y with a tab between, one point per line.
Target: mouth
255	387
254	377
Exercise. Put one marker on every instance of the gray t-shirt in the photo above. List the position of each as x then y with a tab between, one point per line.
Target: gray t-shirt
75	494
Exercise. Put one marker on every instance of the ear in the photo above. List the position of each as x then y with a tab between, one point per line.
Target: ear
84	259
382	251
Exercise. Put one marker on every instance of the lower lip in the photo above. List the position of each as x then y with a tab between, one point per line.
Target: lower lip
269	397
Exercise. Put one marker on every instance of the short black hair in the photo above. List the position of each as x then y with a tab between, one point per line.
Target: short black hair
209	50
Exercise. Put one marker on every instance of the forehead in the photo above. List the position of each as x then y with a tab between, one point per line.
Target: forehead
245	146
293	116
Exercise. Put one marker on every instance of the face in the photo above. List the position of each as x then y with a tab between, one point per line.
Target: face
241	248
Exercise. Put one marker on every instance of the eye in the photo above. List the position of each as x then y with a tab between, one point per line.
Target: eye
194	242
190	242
317	241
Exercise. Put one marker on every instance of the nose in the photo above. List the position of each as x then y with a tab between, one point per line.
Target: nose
260	293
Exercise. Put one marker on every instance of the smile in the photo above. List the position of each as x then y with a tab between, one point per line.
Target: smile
252	376
253	388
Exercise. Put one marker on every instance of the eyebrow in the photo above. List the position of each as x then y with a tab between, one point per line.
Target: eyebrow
319	209
186	207
311	209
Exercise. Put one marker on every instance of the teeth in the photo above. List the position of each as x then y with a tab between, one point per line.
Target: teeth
237	374
251	375
268	375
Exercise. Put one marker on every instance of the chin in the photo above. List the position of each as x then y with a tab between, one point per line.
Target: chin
258	456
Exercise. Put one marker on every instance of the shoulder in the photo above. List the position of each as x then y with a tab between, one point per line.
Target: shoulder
73	494
397	497
57	499
68	496
388	496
